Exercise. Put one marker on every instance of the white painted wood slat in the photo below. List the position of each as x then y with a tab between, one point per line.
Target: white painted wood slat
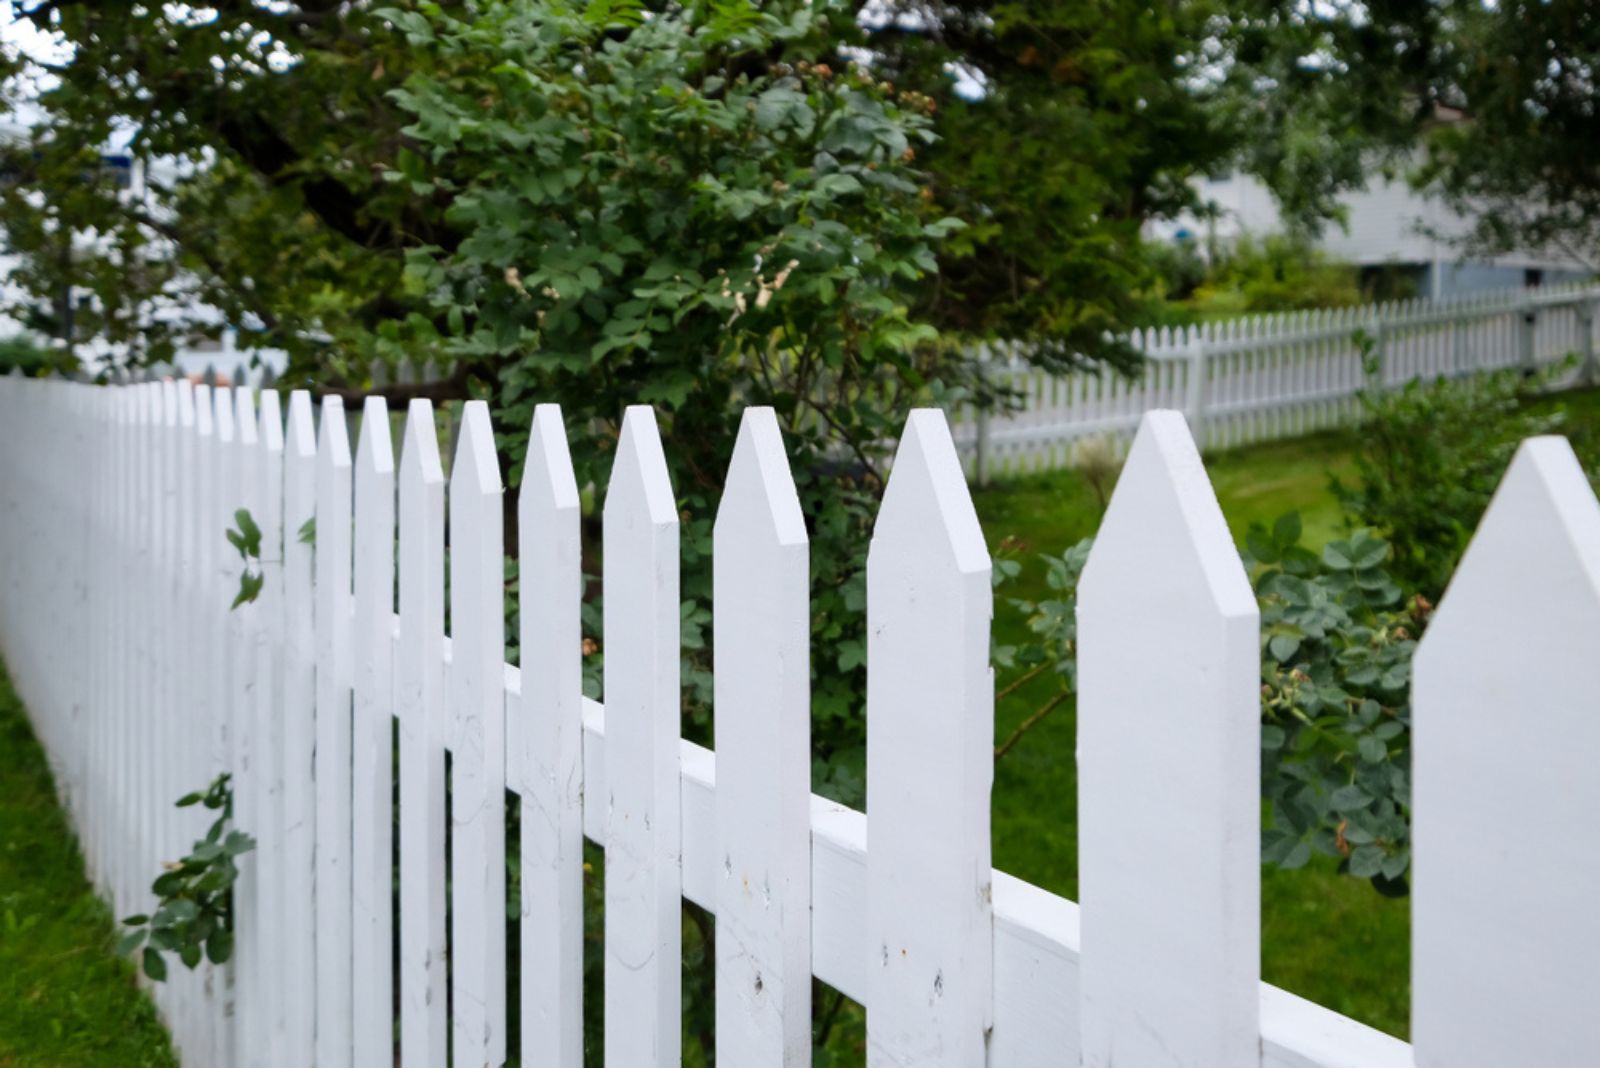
1168	706
372	753
930	729
551	721
297	879
643	918
477	787
332	759
761	634
419	704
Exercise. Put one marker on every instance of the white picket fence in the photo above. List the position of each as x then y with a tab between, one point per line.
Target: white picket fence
114	588
1273	376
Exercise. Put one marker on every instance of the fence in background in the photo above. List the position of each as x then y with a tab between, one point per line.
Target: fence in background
115	581
1274	376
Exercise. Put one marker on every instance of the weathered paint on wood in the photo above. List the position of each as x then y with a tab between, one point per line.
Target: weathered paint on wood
477	787
761	637
930	726
643	919
551	731
419	704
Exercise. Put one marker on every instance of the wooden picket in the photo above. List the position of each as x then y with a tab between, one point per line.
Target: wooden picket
418	695
114	587
551	754
643	877
1504	785
372	779
762	702
331	754
477	730
1171	906
930	729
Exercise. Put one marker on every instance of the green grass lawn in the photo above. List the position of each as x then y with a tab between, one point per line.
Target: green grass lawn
1327	937
65	997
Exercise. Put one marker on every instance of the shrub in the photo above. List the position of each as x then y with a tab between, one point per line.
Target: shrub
1429	458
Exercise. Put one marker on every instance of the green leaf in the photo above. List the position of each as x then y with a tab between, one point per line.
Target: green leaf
136	920
1272	736
308	532
1283	646
130	942
189	953
238	842
154	966
1366	861
1286	531
249	589
247	526
1349	797
219	947
1373	751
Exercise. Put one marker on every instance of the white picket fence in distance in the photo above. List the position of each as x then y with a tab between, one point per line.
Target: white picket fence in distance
114	589
1277	375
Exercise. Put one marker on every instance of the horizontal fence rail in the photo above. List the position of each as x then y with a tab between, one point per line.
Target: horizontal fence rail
1272	376
359	661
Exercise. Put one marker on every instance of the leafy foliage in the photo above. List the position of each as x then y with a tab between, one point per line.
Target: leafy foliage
1336	718
194	911
1521	160
1431	454
647	215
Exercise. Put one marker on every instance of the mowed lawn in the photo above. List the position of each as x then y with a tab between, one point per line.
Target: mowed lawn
1324	936
65	997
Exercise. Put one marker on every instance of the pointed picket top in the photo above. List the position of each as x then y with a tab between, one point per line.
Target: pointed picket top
760	497
926	502
1504	747
333	439
475	469
1165	478
1168	705
374	447
761	637
930	764
419	449
548	482
300	432
639	480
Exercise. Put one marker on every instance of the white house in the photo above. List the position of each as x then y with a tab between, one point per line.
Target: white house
1388	225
